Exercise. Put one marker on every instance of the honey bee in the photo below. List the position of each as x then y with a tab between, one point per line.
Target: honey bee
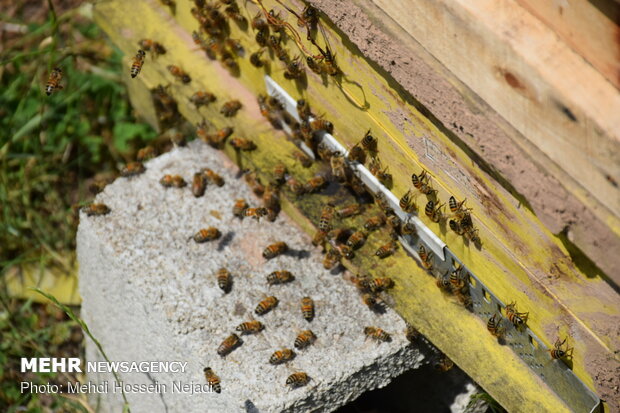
332	258
266	305
426	257
370	300
282	356
315	184
443	283
443	363
307	308
377	334
457	208
239	208
136	64
434	213
256	60
254	183
199	184
346	252
407	203
243	144
319	124
349	211
229	344
374	223
261	37
145	153
202	98
179	74
517	319
298	379
98	185
409	229
207	234
256	213
369	142
212	379
229	62
456	227
329	62
380	284
295	186
456	279
271	199
494	325
169	181
132	169
302	158
279	173
280	277
386	250
319	238
232	11
53	81
259	24
356	240
394	222
411	333
274	250
324	152
149	45
213	177
309	17
313	65
472	235
303	109
230	108
339	235
383	203
327	214
294	69
304	339
96	209
224	279
250	327
420	182
558	353
338	166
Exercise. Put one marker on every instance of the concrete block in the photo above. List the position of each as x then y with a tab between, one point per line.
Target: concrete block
150	294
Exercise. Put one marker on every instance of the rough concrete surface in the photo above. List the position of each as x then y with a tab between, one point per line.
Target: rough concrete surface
150	293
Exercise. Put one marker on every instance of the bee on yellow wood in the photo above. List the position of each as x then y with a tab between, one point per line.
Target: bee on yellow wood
394	222
282	356
357	154
346	252
494	325
239	208
258	23
356	240
266	305
304	339
213	177
271	199
407	203
149	45
302	158
256	213
329	62
229	62
279	173
374	222
136	64
207	234
294	69
230	108
250	327
327	214
307	308
516	318
315	184
377	334
179	74
558	353
443	363
199	184
298	379
319	238
409	229
332	258
426	257
349	211
456	227
132	169
229	344
383	203
295	186
369	142
261	37
472	235
303	109
386	250
274	250
457	207
96	209
434	212
212	379
202	98
419	180
53	81
232	11
146	153
254	183
256	58
309	17
443	283
380	284
280	277
338	166
224	279
169	181
314	65
243	144
411	333
318	124
457	280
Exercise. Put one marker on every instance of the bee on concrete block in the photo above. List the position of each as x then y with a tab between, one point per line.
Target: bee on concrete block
212	379
224	279
207	234
274	250
282	356
304	339
132	169
266	305
298	379
96	209
307	308
250	327
377	334
229	344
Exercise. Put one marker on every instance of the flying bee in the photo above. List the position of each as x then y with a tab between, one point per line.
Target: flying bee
380	284
266	305
558	353
199	184
374	223
409	229
274	250
456	227
172	181
516	318
232	11
279	173
433	212
179	74
338	166
349	211
315	184
426	257
407	203
295	186
256	60
230	108
250	327
256	213
53	81
411	333
229	344
302	158
332	258
96	209
494	325
137	62
280	277
207	234
224	279
443	363
303	109
145	153
369	142
304	339
327	214
356	240
282	356
457	208
377	334
239	208
149	45
386	250
202	98
298	379
132	169
319	124
212	379
243	144
294	69
307	308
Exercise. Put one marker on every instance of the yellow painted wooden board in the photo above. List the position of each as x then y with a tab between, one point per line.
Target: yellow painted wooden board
519	260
